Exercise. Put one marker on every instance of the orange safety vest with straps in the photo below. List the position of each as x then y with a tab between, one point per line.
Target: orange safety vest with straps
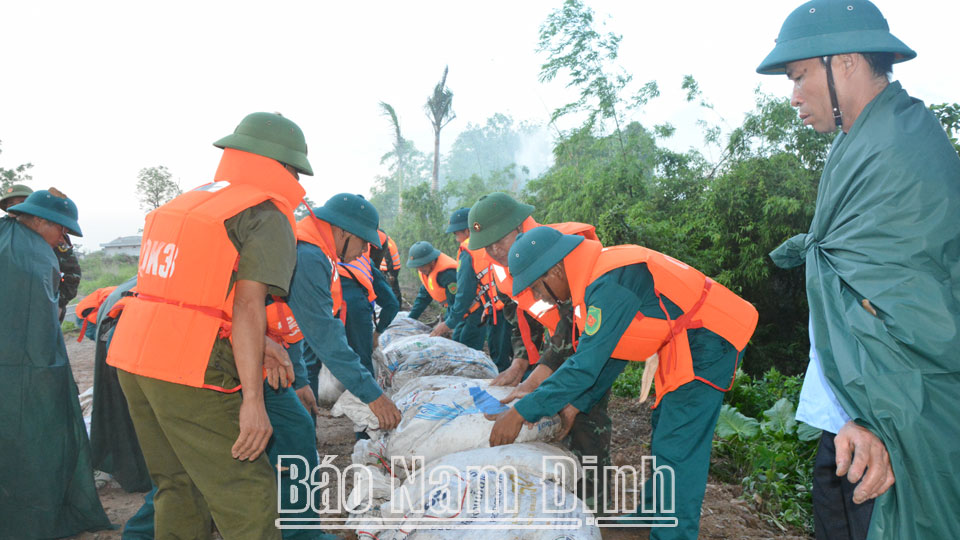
281	326
185	297
361	271
314	230
438	293
546	315
392	252
118	306
486	297
88	308
705	304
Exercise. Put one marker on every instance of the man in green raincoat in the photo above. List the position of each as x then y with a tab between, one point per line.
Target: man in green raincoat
882	262
46	481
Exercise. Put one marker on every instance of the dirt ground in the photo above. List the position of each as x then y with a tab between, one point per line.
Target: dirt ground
724	516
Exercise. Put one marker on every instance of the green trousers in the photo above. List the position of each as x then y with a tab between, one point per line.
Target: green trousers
683	426
470	332
186	435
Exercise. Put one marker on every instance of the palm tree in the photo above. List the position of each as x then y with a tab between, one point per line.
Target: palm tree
399	151
439	109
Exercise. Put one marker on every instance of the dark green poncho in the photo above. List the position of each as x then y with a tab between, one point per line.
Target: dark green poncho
46	482
887	229
113	439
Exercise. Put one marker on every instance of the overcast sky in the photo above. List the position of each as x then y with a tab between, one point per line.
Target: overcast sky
93	92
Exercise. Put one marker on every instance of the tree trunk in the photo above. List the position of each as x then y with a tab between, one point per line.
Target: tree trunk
436	162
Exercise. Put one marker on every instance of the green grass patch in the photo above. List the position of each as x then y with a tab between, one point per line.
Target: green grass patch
99	271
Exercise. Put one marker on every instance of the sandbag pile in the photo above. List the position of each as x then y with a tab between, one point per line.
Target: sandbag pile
419	355
440	416
402	326
437	466
529	486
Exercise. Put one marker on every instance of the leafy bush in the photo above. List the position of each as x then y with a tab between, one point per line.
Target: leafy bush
628	383
772	458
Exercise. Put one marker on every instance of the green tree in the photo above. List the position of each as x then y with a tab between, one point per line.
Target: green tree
155	188
486	149
399	155
301	211
573	45
16	175
439	109
949	116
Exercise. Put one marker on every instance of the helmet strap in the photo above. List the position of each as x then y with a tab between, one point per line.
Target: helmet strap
837	115
556	300
346	244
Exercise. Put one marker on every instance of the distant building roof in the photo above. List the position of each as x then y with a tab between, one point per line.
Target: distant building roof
123	241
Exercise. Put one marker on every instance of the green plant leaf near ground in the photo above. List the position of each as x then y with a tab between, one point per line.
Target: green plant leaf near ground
733	424
772	459
780	418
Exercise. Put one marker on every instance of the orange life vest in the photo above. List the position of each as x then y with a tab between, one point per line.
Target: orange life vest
186	262
88	308
281	326
118	306
314	230
361	271
391	252
438	293
546	315
705	304
486	297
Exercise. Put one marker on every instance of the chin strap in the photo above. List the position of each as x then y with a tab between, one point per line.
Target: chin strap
343	252
837	115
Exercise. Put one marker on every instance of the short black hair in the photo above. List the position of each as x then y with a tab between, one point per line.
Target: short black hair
880	62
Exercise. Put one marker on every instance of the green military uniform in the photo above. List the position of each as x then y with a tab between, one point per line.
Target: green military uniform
466	327
184	456
492	218
421	254
683	423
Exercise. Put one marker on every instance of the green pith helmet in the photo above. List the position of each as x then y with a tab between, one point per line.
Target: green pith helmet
536	251
42	204
458	220
827	27
353	214
493	217
422	253
272	136
16	190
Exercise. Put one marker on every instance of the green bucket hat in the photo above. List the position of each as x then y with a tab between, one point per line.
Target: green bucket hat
493	217
353	214
16	190
42	204
458	220
421	253
827	27
536	251
272	136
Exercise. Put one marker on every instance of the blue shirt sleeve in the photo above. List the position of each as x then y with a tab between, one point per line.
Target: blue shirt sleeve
590	372
312	306
466	290
300	378
420	304
389	306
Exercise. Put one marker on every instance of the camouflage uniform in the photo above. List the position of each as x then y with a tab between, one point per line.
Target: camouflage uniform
69	274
